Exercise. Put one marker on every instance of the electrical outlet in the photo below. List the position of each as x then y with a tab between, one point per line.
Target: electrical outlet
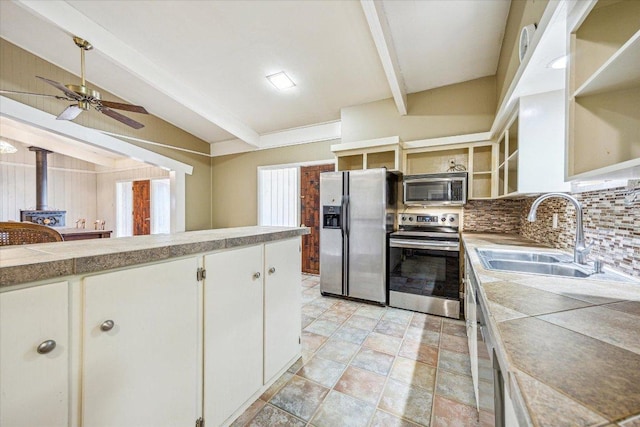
452	162
554	221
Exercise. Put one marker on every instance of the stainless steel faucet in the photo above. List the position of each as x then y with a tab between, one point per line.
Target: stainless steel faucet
581	250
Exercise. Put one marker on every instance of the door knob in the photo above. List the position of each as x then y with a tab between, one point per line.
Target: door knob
107	325
272	270
256	276
46	347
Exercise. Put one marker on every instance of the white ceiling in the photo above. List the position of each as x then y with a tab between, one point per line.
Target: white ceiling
201	65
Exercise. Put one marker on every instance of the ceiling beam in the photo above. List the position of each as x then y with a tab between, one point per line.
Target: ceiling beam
306	134
381	34
71	21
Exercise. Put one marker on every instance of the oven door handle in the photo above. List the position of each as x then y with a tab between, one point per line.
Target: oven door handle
415	244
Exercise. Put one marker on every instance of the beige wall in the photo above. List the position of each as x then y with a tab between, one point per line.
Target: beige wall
462	108
235	179
521	13
18	69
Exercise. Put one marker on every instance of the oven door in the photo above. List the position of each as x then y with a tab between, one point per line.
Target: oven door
424	275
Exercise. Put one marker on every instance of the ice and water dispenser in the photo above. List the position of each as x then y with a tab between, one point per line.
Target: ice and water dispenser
331	216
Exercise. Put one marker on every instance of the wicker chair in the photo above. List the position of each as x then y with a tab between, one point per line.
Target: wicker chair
24	233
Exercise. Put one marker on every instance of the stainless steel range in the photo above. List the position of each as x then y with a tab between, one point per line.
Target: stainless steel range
424	264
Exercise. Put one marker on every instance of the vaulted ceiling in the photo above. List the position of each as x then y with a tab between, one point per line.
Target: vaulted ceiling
201	65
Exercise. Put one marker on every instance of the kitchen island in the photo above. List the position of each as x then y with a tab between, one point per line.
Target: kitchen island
149	330
568	348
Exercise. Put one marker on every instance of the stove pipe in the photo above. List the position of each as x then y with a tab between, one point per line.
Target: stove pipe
41	177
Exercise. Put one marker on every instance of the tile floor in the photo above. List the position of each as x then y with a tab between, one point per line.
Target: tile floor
365	365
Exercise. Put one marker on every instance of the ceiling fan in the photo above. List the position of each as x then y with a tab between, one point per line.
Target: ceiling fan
85	98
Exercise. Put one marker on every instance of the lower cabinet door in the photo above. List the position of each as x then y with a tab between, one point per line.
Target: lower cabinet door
141	343
282	305
34	356
233	330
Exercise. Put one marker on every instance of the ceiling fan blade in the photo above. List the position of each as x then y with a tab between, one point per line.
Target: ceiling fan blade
119	117
70	113
17	92
126	107
71	94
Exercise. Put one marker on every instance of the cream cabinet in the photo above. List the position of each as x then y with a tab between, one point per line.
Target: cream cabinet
604	89
282	305
531	149
369	154
140	346
470	308
477	158
233	334
252	323
152	345
34	356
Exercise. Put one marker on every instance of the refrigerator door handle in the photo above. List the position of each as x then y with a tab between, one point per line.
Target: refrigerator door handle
345	215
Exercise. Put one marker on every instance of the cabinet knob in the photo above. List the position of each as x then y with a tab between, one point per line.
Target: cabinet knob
256	276
107	325
272	270
46	346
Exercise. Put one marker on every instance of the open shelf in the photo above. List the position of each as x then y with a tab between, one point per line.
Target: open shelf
512	176
383	159
604	88
609	130
435	161
482	157
611	25
513	137
481	185
621	71
502	144
353	162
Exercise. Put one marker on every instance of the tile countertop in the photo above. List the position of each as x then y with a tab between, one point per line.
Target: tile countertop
30	263
571	346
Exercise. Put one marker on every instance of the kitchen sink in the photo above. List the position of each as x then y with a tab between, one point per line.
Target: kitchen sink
551	268
550	264
522	256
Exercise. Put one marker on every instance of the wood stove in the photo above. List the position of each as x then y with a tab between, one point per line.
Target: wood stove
42	214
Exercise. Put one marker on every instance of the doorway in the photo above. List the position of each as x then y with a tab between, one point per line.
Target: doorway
310	215
141	207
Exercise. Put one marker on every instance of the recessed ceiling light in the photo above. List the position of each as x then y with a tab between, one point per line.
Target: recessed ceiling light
558	63
281	80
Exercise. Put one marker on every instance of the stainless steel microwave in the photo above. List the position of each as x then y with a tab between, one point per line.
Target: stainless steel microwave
442	189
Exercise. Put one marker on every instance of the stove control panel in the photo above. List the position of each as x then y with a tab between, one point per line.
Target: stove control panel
429	220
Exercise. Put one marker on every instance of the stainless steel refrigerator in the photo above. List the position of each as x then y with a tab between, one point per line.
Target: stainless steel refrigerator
357	211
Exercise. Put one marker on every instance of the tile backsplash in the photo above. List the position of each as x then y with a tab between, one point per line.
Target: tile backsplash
612	225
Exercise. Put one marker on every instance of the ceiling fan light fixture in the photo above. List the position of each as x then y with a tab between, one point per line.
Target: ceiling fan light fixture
70	113
281	80
6	147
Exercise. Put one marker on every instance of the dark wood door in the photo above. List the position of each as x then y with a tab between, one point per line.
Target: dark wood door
141	207
310	215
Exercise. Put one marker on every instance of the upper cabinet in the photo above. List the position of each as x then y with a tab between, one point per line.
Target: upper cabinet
474	157
370	154
604	89
531	148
